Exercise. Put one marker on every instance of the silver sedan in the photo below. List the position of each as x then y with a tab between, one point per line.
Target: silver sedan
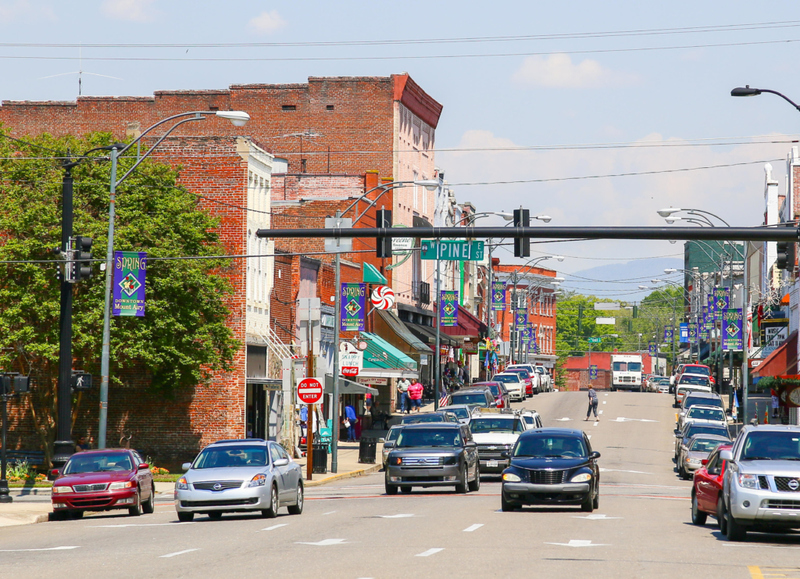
239	476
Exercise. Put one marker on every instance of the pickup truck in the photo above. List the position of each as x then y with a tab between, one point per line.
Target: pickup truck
761	487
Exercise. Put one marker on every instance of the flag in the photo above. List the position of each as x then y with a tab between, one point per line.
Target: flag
749	328
443	400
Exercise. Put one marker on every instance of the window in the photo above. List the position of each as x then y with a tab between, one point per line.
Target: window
289	107
329	108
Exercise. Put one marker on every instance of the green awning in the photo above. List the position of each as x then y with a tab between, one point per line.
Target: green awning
381	355
372	275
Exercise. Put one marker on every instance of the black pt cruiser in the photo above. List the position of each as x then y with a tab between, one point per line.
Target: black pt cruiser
552	466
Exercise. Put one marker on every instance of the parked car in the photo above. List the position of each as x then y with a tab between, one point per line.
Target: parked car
761	485
495	432
682	436
551	466
514	384
545	380
536	381
531	418
439	416
433	454
690	383
243	475
462	411
707	486
695	370
102	480
530	380
657	384
694	398
388	442
703	412
499	391
696	451
477	396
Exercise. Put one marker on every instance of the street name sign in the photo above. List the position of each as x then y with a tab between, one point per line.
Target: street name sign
594	340
452	250
309	391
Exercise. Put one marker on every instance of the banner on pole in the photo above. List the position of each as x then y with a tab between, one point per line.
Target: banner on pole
722	297
652	347
669	332
684	332
498	295
521	318
353	300
130	269
448	308
732	329
693	332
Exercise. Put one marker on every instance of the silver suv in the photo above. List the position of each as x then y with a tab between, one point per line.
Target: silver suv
761	489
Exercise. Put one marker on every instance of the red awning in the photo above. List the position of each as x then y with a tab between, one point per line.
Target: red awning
468	325
782	361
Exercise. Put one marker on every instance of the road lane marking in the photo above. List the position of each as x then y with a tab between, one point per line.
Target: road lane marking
605	401
764	572
64	548
273	527
629	471
578	543
623	419
123	525
596	517
401	516
168	555
428	553
565	419
328	513
474	527
323	543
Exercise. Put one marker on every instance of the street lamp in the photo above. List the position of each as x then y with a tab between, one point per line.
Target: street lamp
746	91
238	118
699	213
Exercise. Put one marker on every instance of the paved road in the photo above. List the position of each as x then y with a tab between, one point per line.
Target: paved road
351	529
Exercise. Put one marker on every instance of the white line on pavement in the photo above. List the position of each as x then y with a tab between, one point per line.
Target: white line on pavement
401	516
428	553
135	525
65	548
597	517
578	543
168	555
474	527
329	513
323	543
273	527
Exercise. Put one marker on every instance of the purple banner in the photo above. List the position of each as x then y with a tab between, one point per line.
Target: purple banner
448	308
353	300
130	269
732	329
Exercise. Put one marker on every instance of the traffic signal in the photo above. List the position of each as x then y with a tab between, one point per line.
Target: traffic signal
81	256
522	247
5	385
383	245
22	384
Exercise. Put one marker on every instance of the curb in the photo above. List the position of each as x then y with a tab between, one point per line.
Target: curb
343	475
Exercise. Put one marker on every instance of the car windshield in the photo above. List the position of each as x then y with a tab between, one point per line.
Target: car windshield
459	412
481	425
772	446
550	447
701	370
479	399
410	438
706	413
506	378
693	379
705	401
97	462
661	380
521	372
414	419
539	370
695	428
705	445
392	434
231	456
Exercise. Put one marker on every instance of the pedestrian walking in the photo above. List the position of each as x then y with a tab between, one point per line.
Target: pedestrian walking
415	396
402	391
592	403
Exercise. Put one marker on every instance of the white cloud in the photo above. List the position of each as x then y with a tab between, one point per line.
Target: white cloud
24	9
267	22
129	10
558	71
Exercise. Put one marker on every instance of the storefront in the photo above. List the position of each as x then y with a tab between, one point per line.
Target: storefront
383	361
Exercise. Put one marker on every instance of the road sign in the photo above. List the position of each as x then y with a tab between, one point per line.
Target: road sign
594	340
452	250
309	391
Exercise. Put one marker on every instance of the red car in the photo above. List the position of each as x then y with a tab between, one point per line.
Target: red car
101	480
707	487
499	392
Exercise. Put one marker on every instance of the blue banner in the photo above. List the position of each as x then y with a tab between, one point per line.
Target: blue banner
498	295
684	332
693	332
653	348
721	301
669	332
732	329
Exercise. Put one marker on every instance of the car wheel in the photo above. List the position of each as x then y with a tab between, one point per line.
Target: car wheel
391	489
505	505
136	509
698	516
215	515
721	521
185	517
150	505
681	470
462	486
272	511
736	532
297	507
588	503
475	485
406	490
596	501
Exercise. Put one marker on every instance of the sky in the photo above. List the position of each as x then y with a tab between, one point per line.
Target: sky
594	113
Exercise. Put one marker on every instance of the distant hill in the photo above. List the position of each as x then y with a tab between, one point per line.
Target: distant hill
622	280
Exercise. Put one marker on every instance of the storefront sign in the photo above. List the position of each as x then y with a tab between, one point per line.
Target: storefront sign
130	269
732	329
372	381
353	299
448	308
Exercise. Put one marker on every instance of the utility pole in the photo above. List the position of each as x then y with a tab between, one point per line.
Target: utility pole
311	407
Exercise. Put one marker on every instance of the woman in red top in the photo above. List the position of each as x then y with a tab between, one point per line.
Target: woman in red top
415	395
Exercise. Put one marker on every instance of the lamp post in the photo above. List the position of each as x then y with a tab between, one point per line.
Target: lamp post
238	118
431	185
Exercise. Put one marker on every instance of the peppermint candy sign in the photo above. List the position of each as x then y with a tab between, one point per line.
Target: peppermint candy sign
383	297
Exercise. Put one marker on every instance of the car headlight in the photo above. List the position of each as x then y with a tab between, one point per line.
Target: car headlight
582	477
181	484
121	485
511	477
62	489
693	460
258	481
748	481
450	460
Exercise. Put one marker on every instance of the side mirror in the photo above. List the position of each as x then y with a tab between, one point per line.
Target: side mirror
281	462
472	444
677	433
726	455
594	455
389	444
186	465
704	461
143	465
54	473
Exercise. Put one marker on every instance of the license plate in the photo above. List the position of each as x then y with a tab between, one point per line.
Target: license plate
491	464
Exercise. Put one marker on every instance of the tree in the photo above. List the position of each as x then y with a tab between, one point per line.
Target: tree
182	338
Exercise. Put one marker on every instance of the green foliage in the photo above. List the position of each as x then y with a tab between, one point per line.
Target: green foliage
182	337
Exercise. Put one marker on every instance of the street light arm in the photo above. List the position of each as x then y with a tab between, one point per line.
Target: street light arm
699	211
747	91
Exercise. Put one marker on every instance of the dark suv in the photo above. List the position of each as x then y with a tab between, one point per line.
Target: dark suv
551	466
476	396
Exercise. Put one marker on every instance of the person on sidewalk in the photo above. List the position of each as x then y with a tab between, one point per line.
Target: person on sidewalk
402	391
415	395
776	403
592	403
350	419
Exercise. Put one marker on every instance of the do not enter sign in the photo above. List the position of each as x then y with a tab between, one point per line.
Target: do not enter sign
309	391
